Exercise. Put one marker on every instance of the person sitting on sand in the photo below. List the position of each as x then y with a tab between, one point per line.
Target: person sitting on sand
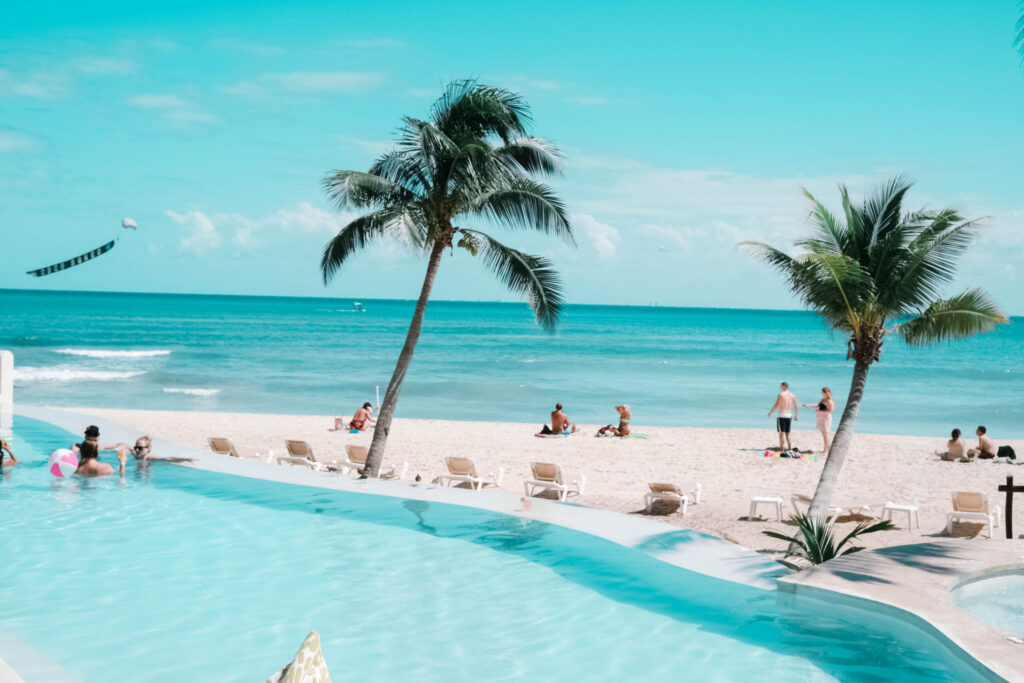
11	460
559	423
89	464
358	422
824	415
986	449
623	429
786	404
955	447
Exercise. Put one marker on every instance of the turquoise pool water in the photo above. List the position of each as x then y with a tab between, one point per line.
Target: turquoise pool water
171	574
998	600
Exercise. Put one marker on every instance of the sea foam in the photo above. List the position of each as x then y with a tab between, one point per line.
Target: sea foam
108	353
191	392
67	373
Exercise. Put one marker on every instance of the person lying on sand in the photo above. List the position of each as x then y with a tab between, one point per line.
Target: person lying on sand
986	449
358	422
559	423
623	429
11	460
955	447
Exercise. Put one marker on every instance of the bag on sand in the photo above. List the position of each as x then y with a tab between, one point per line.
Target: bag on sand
1006	452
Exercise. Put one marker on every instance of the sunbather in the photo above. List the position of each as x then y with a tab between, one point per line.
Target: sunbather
623	429
359	421
559	423
955	447
986	449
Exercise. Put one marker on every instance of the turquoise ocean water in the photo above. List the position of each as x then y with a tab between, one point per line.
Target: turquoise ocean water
489	361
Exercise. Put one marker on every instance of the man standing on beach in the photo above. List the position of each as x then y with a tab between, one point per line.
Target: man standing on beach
786	404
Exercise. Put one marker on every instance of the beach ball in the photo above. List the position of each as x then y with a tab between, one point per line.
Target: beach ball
62	463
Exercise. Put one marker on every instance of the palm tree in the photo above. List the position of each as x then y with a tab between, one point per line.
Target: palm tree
471	160
873	272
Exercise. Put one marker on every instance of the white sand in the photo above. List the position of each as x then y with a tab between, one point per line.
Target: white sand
727	462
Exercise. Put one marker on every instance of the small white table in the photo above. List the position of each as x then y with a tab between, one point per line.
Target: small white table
766	500
911	510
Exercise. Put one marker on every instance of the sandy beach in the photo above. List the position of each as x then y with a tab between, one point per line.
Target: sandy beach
728	463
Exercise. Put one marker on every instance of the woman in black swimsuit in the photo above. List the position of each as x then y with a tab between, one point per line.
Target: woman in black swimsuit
824	415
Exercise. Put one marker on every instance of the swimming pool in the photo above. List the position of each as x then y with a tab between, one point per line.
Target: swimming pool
174	574
997	598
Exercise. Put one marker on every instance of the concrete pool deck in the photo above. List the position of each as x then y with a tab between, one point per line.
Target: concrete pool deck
918	580
911	583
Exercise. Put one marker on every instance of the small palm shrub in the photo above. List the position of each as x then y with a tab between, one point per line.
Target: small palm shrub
816	541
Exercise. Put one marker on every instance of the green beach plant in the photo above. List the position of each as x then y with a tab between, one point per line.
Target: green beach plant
873	272
474	161
816	542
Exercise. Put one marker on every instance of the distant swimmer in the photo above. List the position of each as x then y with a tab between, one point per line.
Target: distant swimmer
559	423
5	447
359	422
786	404
823	415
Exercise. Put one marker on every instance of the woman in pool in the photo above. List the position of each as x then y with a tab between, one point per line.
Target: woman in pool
11	460
824	415
89	464
623	428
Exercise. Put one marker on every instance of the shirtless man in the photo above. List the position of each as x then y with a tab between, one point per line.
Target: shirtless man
358	422
986	446
560	422
786	404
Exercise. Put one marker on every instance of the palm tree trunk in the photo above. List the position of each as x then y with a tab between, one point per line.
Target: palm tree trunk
841	442
387	409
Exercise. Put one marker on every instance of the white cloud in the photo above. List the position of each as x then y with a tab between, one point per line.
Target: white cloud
42	85
176	110
604	238
680	238
589	100
202	233
114	66
306	81
11	141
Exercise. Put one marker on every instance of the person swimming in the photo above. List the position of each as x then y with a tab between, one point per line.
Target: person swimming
89	464
6	447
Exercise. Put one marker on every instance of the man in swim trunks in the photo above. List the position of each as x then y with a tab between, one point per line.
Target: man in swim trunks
559	423
786	404
986	449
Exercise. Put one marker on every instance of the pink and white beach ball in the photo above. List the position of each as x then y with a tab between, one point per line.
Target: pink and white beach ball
62	463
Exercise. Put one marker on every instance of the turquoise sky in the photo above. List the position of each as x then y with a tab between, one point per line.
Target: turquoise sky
687	127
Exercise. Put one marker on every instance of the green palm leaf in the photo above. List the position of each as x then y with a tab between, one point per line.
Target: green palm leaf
958	317
525	203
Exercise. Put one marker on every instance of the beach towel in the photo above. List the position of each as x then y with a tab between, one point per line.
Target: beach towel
793	455
542	435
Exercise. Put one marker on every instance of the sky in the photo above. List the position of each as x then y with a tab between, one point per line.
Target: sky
687	127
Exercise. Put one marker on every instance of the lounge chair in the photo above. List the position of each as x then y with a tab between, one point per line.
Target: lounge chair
973	507
548	477
355	460
223	446
671	493
798	500
462	470
301	451
296	461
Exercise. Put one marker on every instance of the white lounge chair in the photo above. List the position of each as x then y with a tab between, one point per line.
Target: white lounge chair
224	446
300	453
973	507
462	470
355	460
672	493
296	461
548	477
798	500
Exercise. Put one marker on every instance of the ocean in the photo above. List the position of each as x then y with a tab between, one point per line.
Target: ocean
489	361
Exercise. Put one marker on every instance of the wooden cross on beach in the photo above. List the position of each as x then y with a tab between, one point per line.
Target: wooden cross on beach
1010	490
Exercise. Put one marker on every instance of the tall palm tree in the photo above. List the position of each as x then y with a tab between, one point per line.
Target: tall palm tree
873	272
471	160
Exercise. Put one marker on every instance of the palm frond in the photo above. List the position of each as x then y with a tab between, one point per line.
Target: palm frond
829	232
408	169
354	189
525	204
405	223
1018	40
958	317
532	276
532	155
480	110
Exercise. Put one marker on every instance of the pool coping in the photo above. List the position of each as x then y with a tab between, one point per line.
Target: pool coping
907	582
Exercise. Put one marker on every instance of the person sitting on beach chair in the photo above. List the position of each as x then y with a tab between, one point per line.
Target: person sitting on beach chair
955	447
559	423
